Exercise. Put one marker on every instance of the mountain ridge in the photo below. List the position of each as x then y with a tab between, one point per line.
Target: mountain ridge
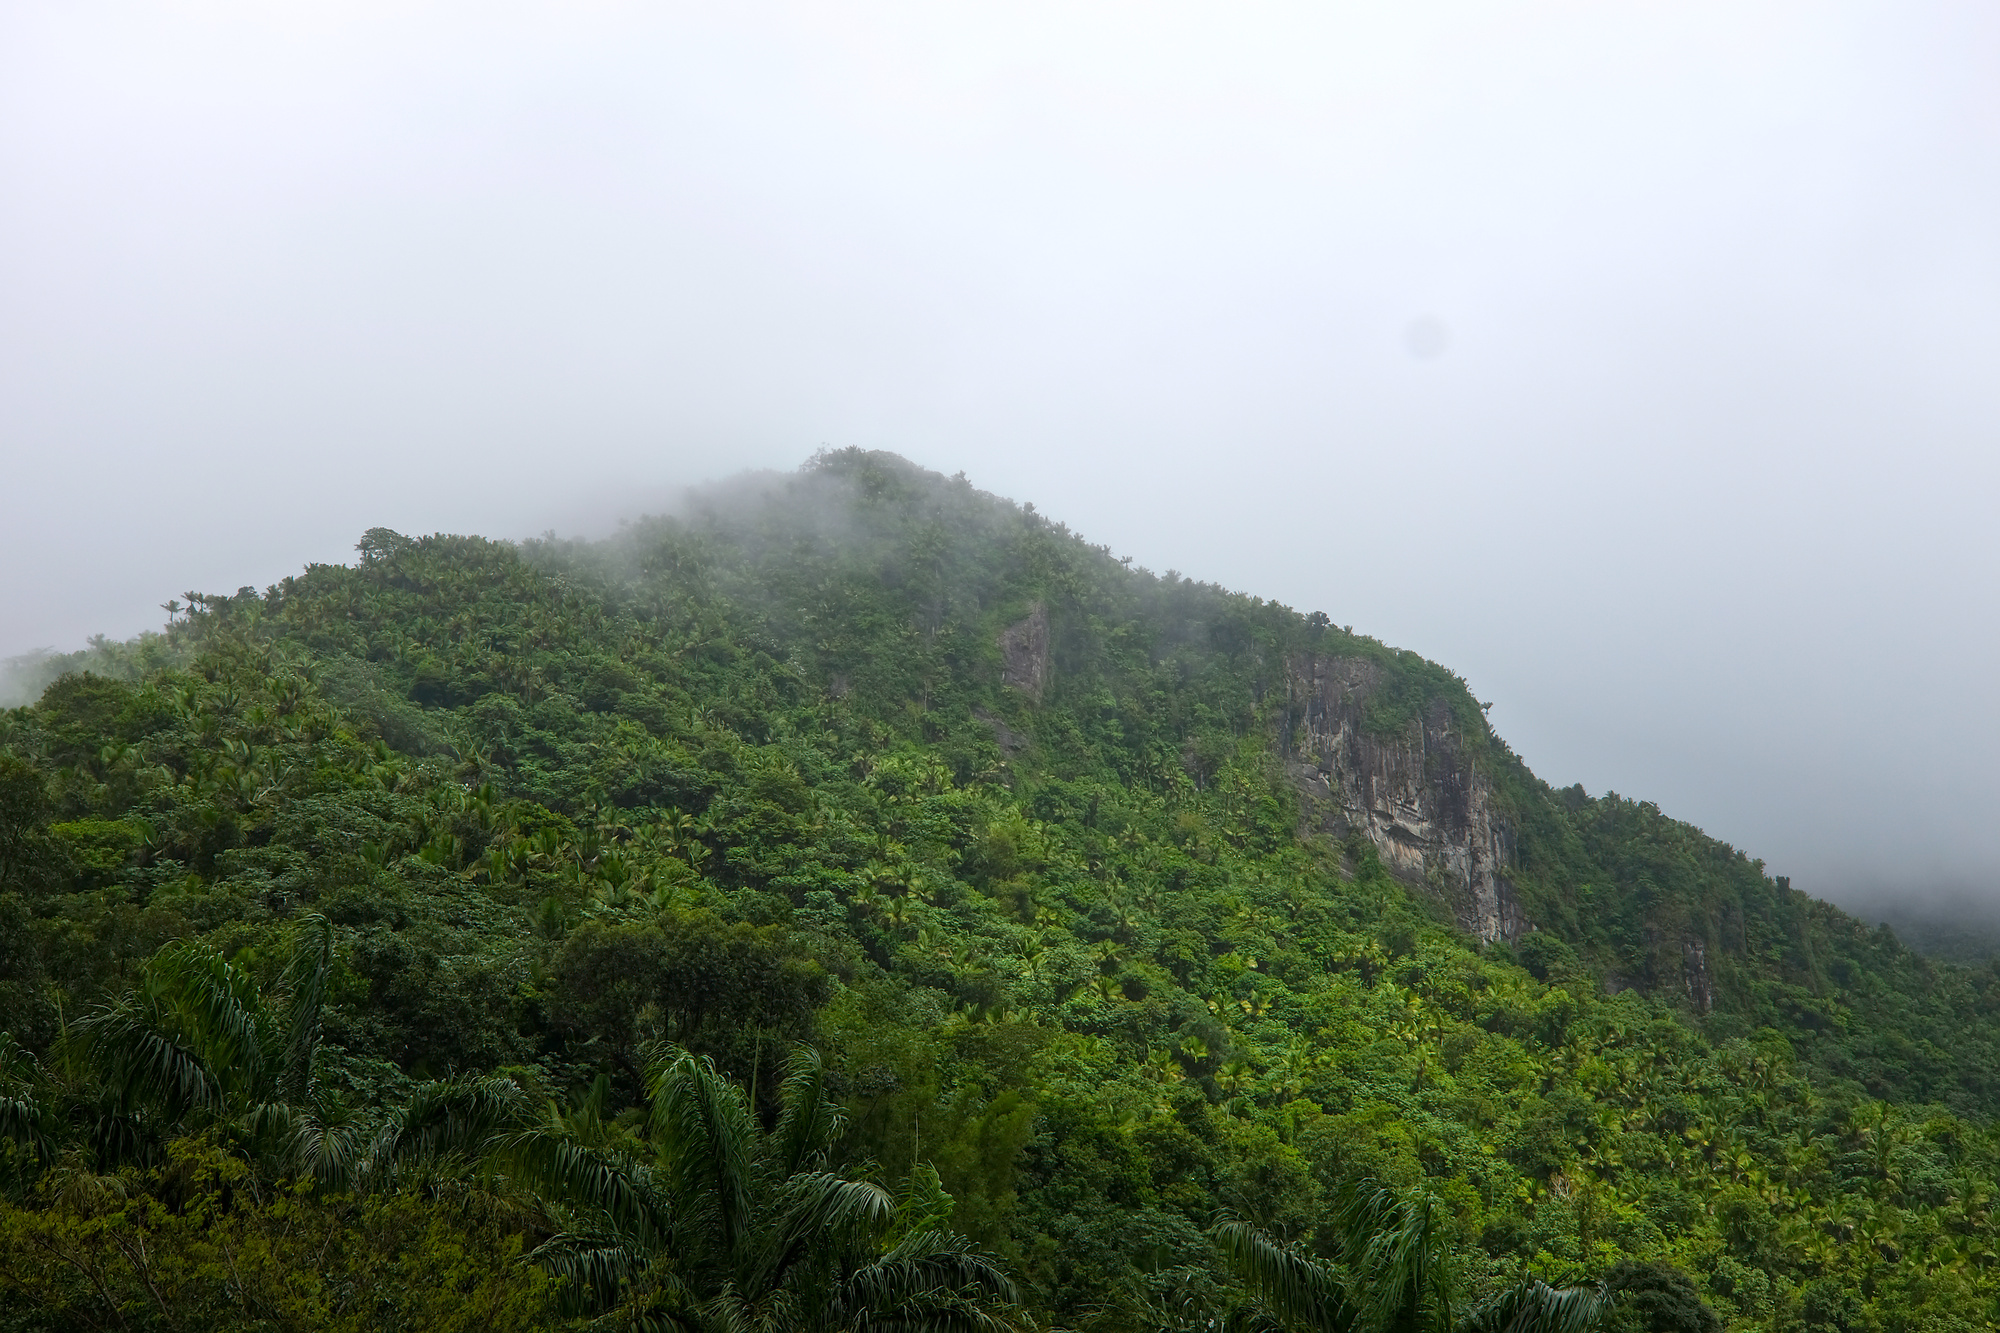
1117	897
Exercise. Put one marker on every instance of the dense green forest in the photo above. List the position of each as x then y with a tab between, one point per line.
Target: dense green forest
858	902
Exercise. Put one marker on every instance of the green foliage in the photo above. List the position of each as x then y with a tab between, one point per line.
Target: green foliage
1654	1298
31	861
1394	1274
685	977
701	1218
336	882
196	1244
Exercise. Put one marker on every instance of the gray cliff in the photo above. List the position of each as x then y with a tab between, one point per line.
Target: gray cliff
1415	793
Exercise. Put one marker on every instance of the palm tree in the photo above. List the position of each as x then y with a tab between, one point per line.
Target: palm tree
707	1222
196	1044
25	1116
1397	1277
442	1132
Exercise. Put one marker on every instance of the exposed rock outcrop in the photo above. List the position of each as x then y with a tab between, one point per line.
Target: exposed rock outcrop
1694	966
1024	653
1415	794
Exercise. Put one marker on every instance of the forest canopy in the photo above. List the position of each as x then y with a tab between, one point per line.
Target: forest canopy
406	944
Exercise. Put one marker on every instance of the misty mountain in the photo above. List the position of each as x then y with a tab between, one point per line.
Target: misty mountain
1957	930
1113	902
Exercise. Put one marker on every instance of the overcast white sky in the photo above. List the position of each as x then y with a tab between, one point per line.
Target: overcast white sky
1641	362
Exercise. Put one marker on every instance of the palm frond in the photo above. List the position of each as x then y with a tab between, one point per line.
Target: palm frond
596	1266
604	1185
926	1204
671	1320
18	1068
215	1005
732	1309
1365	1210
932	1282
78	1189
24	1118
820	1212
117	1137
269	1123
952	1316
934	1261
826	1204
1394	1247
811	1121
27	1122
1300	1290
708	1141
1536	1307
148	1067
444	1121
305	983
332	1154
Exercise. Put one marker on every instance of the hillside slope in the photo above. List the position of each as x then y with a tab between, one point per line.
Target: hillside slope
1120	898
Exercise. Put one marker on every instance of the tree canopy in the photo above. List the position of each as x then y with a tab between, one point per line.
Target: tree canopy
401	926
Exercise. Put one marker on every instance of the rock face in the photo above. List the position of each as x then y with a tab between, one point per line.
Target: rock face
1694	965
1024	653
1416	794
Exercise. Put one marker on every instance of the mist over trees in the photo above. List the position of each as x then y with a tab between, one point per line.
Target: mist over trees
857	901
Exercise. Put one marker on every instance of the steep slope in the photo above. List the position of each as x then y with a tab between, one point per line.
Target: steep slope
1120	898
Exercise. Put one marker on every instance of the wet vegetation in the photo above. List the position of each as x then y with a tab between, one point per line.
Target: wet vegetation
696	930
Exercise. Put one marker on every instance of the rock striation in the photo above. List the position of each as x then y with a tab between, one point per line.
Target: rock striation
1415	792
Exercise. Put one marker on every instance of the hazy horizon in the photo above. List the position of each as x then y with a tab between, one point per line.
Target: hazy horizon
1633	363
